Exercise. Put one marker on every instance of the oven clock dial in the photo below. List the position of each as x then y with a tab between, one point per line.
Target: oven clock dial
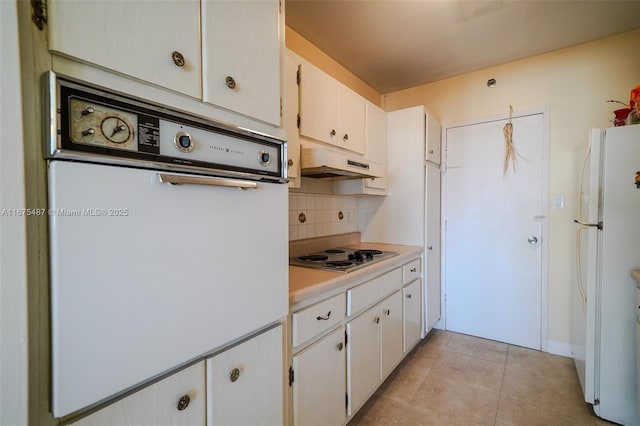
115	130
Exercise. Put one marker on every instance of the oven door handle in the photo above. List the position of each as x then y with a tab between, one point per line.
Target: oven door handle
201	180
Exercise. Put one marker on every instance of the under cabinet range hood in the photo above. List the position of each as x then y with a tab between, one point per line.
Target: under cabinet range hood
327	163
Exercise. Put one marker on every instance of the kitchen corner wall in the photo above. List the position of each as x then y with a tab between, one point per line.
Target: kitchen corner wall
318	215
574	84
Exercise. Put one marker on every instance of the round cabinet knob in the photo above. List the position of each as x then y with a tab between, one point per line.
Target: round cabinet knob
88	111
183	402
409	296
233	376
387	312
430	151
178	58
183	141
290	162
264	158
345	138
340	346
532	240
377	320
332	132
231	83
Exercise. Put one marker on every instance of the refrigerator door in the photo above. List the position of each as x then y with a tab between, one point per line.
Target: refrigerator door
583	302
619	253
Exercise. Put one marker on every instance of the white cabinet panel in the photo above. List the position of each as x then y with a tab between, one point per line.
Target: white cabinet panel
329	111
319	382
432	247
241	57
363	357
135	38
315	319
376	143
391	332
433	135
245	383
411	271
411	304
176	400
390	282
362	296
291	118
351	120
318	105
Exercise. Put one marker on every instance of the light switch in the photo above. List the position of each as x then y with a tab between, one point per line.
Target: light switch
558	202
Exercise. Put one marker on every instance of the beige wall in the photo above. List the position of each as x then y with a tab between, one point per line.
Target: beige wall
574	83
301	46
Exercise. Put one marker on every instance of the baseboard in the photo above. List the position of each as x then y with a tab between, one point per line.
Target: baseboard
559	348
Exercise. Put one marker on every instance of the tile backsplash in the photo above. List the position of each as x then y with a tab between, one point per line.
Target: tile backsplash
319	215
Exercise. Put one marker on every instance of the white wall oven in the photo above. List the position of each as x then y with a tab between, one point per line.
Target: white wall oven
153	216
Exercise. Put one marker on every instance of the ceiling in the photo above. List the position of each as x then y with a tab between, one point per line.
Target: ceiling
396	44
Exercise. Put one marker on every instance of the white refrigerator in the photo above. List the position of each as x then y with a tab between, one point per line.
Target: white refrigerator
608	248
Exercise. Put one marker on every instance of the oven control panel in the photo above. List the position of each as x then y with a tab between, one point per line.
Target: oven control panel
95	125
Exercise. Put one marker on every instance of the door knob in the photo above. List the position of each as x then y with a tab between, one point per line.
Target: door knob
532	240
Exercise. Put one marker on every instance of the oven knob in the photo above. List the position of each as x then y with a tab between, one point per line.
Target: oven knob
183	141
264	158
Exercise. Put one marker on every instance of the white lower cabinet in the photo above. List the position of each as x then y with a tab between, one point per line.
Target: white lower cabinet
245	383
319	382
411	306
244	386
177	400
374	348
363	357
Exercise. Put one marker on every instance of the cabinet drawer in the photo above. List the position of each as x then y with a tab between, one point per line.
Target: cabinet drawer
411	271
362	296
317	318
390	282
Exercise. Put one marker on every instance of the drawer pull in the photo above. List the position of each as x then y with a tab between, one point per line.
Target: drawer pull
387	312
233	376
340	346
178	58
183	402
324	318
409	296
413	270
377	320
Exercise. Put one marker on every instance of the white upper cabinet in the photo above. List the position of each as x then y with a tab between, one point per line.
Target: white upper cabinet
291	117
330	112
158	43
432	133
376	139
241	56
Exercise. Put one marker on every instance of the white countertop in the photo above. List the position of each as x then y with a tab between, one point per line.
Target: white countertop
307	286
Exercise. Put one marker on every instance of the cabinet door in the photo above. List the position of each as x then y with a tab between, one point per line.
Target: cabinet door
135	38
318	105
411	308
241	57
391	333
363	357
245	383
176	400
432	133
376	143
352	123
319	382
432	252
291	118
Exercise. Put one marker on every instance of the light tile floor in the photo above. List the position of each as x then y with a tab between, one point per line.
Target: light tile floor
455	379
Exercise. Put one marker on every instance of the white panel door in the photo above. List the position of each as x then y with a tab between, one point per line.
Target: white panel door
136	38
433	298
245	383
493	231
241	41
363	357
411	322
390	333
319	382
